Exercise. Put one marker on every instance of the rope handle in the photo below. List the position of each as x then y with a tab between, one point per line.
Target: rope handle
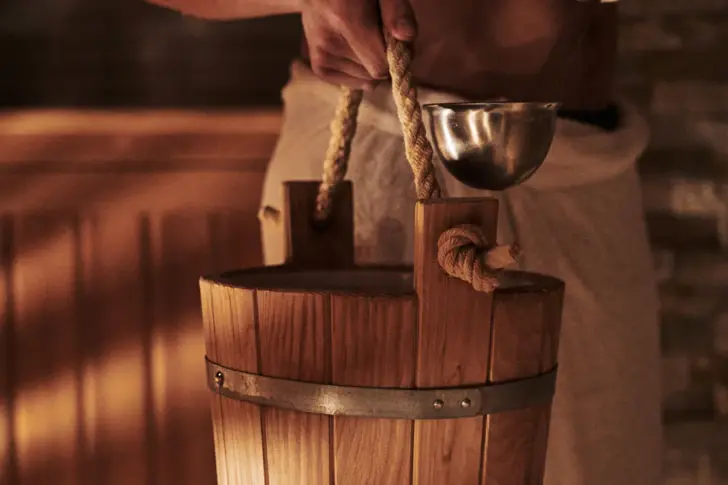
343	127
463	251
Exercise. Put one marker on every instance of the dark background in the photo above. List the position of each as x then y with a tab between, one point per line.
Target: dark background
97	53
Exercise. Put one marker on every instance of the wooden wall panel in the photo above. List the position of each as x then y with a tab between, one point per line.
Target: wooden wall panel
8	452
47	414
105	227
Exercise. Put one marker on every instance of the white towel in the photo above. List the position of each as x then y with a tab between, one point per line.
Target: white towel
579	218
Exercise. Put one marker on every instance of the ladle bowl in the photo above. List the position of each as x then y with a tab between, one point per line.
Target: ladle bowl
492	145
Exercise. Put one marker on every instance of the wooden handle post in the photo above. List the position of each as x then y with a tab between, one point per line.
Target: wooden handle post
454	338
474	337
320	245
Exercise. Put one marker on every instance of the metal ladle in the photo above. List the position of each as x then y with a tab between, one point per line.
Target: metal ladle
492	145
496	145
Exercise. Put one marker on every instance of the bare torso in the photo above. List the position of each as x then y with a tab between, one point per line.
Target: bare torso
547	50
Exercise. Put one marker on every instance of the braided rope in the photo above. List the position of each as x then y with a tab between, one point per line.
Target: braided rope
463	251
418	150
343	129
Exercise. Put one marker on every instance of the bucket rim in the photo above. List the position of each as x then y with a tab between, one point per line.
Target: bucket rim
360	280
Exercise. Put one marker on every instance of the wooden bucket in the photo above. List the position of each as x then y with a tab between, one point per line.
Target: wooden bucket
326	373
379	375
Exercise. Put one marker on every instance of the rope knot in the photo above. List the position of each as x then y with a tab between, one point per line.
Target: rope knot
465	253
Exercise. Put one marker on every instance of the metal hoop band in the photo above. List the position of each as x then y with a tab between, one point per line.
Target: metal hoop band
442	403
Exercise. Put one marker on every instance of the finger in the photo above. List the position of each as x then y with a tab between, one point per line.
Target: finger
328	48
398	19
337	77
346	66
365	38
323	59
336	70
372	54
333	43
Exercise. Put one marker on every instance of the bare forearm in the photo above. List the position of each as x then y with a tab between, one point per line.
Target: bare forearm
230	9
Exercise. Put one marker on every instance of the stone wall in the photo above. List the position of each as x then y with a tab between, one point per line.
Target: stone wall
673	66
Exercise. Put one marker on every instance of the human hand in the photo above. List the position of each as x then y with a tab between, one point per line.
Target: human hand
345	37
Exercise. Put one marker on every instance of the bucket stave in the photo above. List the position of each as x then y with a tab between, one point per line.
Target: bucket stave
378	329
325	373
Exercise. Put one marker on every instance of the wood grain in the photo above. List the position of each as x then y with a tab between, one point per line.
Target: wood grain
523	345
179	251
312	246
116	380
143	123
229	316
45	439
553	307
373	344
294	343
8	464
447	335
454	338
142	140
108	221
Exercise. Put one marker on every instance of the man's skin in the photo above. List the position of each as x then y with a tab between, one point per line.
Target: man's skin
545	50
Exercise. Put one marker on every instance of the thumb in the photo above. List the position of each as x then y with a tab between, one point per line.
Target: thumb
398	19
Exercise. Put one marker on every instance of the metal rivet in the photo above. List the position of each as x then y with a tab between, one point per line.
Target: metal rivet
465	403
219	378
438	404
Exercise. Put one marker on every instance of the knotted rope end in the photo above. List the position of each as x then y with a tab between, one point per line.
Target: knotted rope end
463	252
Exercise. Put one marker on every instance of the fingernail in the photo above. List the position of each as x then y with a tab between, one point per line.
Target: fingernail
404	30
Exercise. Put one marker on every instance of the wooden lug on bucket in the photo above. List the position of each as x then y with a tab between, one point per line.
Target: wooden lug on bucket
318	245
